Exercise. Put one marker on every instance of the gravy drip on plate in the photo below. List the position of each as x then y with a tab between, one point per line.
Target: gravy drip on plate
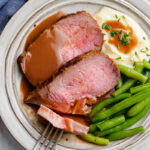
118	26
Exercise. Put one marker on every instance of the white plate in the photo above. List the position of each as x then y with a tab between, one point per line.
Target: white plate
11	46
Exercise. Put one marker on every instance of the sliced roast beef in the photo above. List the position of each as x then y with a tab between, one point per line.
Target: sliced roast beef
62	123
78	84
72	35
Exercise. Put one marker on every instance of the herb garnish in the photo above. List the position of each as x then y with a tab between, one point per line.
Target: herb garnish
118	46
104	41
116	16
123	17
126	34
121	31
136	53
146	48
113	32
118	58
142	51
119	37
118	19
144	38
105	26
147	54
125	39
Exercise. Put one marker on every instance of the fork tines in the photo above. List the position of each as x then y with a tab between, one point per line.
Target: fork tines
50	134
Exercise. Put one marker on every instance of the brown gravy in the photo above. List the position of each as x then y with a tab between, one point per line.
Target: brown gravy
118	26
42	57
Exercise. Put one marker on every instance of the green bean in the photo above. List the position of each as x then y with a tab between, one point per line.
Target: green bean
131	73
120	83
125	133
111	123
138	107
125	87
120	113
139	67
107	102
146	64
92	128
122	105
139	88
129	122
130	82
93	139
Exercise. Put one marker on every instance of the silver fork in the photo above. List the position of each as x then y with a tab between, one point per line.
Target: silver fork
53	132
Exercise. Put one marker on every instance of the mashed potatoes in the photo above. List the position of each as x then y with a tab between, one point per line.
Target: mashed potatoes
136	53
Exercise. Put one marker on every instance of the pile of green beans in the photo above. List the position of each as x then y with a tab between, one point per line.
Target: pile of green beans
112	116
129	122
121	105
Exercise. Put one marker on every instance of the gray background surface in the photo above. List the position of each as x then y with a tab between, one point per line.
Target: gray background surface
7	142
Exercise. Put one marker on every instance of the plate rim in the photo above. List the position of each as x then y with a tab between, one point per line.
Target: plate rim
28	3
